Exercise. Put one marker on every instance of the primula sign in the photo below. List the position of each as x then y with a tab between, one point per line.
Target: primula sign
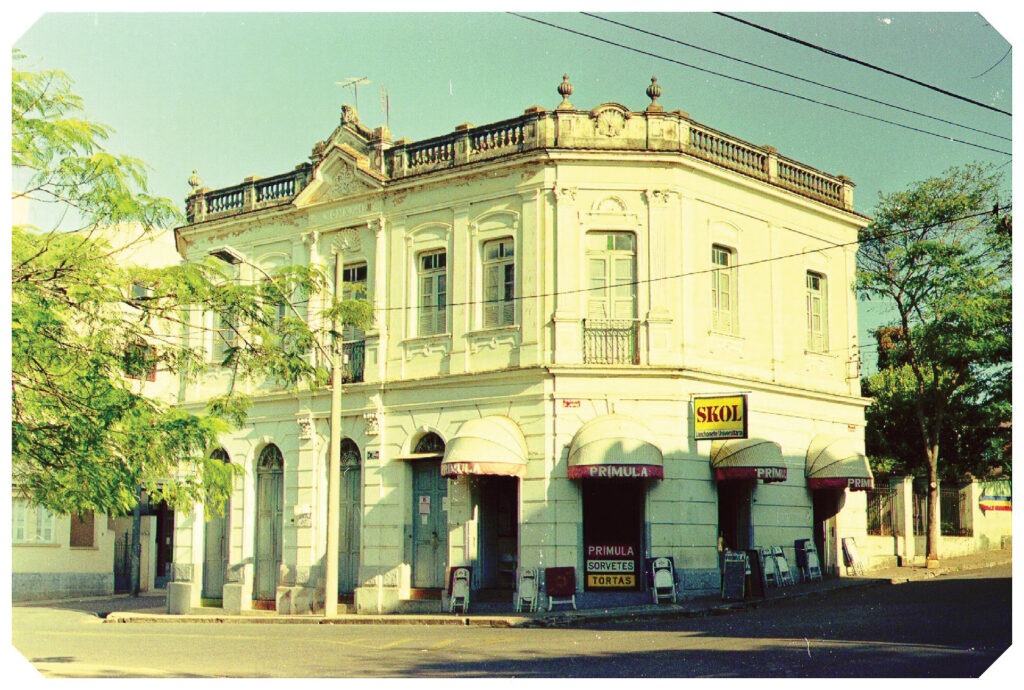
611	565
720	418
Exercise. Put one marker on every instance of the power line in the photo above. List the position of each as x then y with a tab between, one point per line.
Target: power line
639	282
760	86
794	76
841	56
645	281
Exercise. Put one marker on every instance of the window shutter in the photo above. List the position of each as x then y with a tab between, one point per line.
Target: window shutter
426	306
492	295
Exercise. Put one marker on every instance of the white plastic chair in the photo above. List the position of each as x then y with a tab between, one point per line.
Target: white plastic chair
664	580
460	590
813	564
769	566
526	590
785	577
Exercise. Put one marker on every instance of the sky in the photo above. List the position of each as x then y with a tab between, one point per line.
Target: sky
232	95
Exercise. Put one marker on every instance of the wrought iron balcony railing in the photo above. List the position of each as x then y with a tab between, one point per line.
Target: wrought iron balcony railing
355	361
611	341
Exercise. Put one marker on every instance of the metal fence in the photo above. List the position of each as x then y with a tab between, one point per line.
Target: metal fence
954	511
881	512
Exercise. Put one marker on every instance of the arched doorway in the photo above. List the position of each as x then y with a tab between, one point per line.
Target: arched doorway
269	523
215	543
429	519
350	514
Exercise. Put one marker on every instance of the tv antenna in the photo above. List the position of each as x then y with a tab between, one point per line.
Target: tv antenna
353	83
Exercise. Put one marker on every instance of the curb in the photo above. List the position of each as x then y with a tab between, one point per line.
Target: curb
563	619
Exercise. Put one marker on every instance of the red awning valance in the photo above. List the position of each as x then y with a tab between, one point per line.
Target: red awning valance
748	458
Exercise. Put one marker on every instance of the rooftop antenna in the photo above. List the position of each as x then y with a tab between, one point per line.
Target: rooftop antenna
385	105
354	83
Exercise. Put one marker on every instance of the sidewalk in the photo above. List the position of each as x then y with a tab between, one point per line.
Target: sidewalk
152	608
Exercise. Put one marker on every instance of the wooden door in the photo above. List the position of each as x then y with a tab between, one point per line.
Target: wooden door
429	525
350	514
269	523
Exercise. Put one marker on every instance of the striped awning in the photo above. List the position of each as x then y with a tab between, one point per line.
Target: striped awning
835	462
615	446
490	445
748	458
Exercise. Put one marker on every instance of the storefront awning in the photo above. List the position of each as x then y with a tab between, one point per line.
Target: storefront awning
490	445
615	446
748	458
835	462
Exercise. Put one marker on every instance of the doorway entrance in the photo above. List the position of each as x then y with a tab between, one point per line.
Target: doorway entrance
269	523
215	545
164	543
613	534
429	516
826	507
497	499
735	527
350	514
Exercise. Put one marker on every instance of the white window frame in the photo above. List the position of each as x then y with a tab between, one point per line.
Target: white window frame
816	290
224	338
499	283
724	307
31	524
615	298
354	287
432	292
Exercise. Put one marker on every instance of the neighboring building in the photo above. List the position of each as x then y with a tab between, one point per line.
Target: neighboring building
555	295
62	556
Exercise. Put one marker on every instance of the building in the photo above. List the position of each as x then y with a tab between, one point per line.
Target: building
563	299
61	556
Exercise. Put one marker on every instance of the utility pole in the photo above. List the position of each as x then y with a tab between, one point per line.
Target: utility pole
334	463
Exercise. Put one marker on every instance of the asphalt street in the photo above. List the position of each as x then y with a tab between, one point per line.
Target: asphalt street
953	626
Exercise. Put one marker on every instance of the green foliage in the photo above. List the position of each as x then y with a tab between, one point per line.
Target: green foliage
938	256
88	326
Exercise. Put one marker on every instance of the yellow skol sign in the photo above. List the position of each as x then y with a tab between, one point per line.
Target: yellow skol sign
720	417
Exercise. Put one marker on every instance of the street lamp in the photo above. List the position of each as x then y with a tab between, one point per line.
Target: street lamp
233	257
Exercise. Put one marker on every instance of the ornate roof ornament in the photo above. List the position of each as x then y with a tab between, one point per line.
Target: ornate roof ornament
565	90
654	93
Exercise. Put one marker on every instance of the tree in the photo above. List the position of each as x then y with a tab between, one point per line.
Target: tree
86	323
938	256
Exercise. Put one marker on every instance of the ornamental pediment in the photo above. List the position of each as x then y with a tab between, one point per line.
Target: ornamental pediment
342	172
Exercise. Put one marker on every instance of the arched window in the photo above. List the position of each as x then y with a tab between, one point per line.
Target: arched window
270	460
430	443
349	453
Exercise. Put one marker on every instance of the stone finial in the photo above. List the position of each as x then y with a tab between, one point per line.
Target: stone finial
194	181
654	93
349	116
565	90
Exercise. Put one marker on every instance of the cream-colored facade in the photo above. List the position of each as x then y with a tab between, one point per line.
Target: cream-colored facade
51	558
552	292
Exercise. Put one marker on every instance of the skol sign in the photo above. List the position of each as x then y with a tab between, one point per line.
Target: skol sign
720	417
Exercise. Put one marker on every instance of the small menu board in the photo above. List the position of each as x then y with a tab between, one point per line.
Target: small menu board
734	575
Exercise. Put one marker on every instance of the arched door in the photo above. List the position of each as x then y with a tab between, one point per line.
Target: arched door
215	544
429	520
269	522
350	514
